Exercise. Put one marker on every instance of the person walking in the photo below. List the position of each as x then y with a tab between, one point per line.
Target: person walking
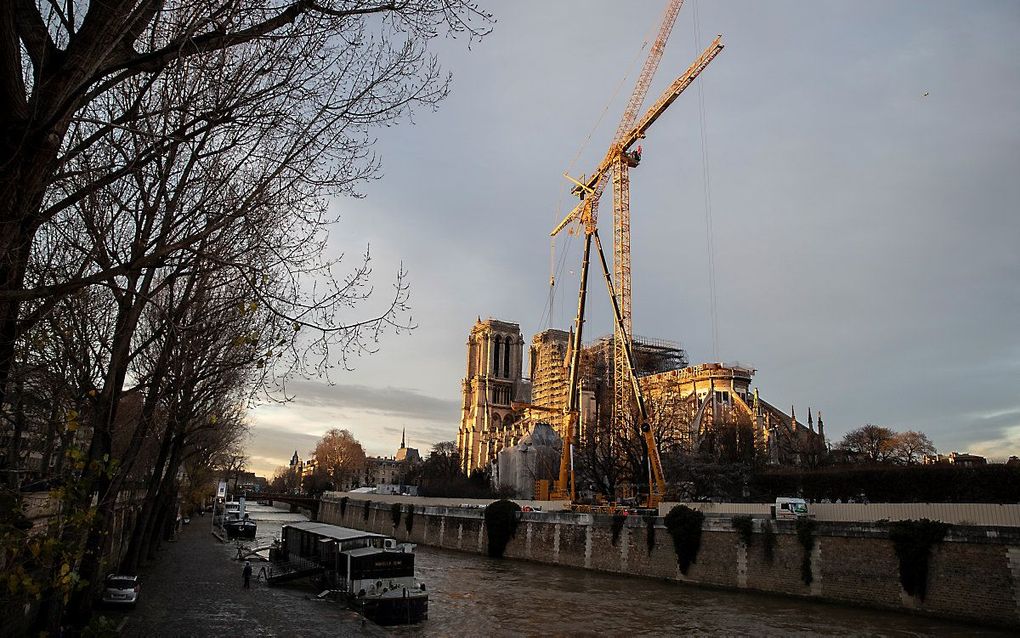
246	572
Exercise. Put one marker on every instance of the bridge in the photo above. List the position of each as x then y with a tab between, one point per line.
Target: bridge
298	500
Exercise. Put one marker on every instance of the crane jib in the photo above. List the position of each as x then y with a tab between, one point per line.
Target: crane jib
638	131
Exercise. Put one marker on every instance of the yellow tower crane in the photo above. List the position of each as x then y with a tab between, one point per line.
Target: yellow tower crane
619	159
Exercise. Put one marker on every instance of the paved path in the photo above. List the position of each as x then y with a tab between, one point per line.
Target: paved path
194	589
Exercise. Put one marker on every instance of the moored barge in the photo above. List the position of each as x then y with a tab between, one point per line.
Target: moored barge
373	572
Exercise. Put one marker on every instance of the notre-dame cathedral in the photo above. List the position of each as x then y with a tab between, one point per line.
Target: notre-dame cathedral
708	408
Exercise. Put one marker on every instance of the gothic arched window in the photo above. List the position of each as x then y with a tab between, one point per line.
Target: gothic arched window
506	358
495	356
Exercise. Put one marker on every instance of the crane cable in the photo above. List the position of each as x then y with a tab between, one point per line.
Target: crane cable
707	185
555	272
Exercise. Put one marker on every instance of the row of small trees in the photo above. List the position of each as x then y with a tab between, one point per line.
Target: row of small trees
340	462
164	170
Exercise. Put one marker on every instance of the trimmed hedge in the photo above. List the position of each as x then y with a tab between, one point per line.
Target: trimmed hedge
768	542
500	525
745	529
684	525
894	484
806	537
618	521
395	513
913	541
650	536
409	519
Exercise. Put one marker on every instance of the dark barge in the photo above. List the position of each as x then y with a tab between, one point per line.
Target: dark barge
373	572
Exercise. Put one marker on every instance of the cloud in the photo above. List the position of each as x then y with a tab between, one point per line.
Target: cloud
388	401
864	238
1002	429
377	417
268	448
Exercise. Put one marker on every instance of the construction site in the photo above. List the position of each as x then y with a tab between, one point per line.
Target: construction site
591	421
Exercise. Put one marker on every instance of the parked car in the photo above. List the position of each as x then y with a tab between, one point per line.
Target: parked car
121	590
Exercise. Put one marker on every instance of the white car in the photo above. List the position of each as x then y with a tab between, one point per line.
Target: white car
121	590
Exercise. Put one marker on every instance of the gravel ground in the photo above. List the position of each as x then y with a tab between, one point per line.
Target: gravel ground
194	589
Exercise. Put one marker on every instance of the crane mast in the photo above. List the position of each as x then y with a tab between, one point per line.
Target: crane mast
621	218
618	160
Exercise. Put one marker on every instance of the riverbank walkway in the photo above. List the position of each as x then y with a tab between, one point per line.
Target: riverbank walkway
195	589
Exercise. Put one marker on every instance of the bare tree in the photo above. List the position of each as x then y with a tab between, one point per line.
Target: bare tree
870	443
285	480
61	61
911	447
160	157
340	457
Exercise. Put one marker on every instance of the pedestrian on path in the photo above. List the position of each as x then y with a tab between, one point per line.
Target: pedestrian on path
247	574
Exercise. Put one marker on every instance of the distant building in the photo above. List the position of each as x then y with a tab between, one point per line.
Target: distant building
303	469
243	482
407	454
956	458
391	471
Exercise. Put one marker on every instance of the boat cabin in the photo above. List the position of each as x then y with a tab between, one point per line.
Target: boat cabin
323	544
375	571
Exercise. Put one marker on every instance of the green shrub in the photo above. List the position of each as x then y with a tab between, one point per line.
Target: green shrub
684	525
650	538
745	529
806	537
768	542
913	541
343	505
500	525
409	519
618	521
368	505
395	513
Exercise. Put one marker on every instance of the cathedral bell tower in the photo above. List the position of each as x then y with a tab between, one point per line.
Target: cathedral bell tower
493	381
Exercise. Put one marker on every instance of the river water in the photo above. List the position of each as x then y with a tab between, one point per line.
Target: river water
472	595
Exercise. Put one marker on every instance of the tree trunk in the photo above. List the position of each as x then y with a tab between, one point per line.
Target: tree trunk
143	528
96	476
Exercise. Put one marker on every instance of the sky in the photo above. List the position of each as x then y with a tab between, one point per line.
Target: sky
862	189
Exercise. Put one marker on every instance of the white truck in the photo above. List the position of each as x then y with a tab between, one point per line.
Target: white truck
788	507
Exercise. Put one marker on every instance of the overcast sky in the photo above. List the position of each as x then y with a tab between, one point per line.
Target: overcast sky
865	234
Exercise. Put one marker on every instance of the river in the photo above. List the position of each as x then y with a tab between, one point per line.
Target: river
472	595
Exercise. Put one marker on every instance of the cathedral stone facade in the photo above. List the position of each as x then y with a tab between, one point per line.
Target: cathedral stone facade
494	383
708	409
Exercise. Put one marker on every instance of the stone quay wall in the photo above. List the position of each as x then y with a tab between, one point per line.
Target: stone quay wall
974	575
